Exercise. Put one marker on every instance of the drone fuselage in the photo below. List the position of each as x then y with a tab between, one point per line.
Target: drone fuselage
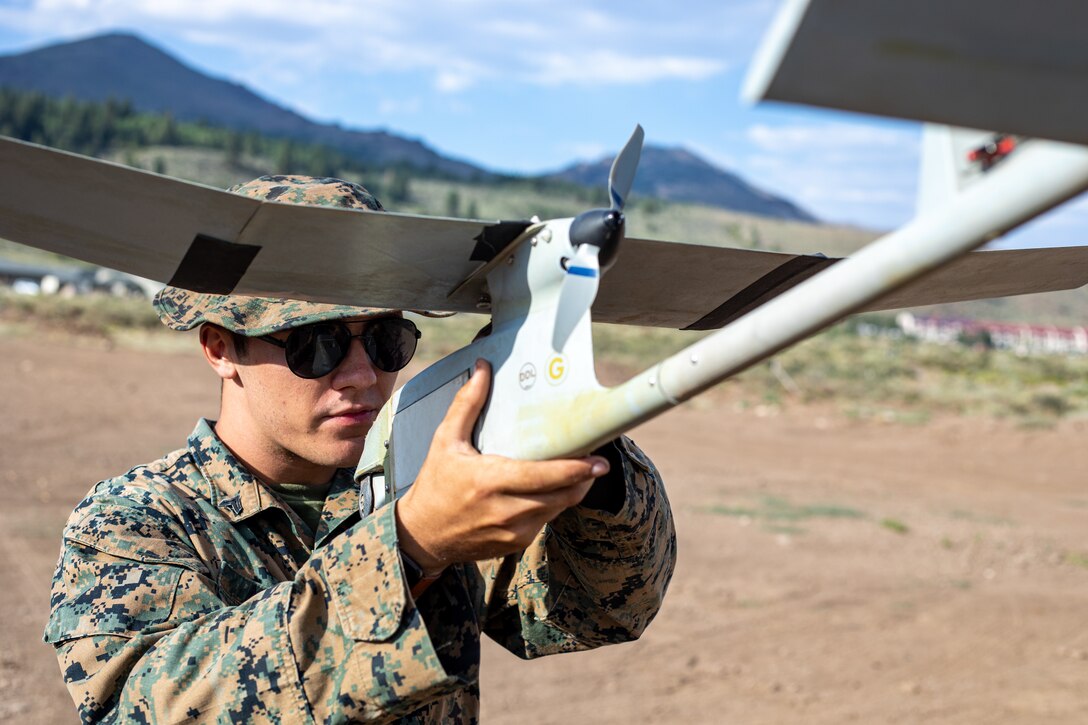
536	391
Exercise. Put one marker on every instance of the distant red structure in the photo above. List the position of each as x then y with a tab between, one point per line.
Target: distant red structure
1021	339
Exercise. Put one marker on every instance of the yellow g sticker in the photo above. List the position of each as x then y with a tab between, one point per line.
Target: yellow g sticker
557	369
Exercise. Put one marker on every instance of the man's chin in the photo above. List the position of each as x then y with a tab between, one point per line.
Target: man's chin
341	448
349	458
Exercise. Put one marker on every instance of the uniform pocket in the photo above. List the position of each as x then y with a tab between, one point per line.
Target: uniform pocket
116	597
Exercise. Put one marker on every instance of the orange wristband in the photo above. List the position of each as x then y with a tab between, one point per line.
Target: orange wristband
414	577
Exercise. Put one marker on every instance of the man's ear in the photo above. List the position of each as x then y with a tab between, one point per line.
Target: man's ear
218	347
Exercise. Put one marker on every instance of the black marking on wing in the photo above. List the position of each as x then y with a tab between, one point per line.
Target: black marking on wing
767	287
213	265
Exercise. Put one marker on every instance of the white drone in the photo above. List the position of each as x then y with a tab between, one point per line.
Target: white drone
1001	64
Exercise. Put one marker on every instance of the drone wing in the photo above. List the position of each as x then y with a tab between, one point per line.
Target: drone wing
213	241
209	240
668	284
990	64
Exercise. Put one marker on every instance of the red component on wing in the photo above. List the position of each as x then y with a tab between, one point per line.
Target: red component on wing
993	151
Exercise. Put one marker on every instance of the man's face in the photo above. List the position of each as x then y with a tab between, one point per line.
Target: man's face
290	426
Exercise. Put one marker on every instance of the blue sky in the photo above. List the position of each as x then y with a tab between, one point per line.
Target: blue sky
529	85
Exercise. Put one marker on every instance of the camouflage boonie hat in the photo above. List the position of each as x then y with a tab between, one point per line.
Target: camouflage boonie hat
181	309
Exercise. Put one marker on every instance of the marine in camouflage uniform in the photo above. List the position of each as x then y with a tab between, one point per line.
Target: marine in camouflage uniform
188	589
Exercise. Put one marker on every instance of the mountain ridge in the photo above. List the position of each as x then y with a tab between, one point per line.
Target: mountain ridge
123	65
677	174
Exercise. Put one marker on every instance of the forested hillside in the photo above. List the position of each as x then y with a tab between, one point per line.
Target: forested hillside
101	128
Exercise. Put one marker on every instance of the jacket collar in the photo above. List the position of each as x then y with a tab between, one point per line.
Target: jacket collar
228	485
238	495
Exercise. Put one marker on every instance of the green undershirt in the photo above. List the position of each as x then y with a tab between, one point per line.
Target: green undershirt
305	500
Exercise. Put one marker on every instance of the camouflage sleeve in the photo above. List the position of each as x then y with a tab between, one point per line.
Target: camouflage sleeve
590	577
142	635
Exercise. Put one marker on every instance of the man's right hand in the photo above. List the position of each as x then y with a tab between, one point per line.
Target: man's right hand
465	506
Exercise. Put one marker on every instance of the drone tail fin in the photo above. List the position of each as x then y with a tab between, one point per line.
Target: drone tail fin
955	158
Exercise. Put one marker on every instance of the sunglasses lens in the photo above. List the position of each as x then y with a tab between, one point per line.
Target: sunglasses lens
390	342
315	350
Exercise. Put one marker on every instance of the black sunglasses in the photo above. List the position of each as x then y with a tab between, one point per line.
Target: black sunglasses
314	351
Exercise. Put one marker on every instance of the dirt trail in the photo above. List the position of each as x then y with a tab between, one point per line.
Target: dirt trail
829	571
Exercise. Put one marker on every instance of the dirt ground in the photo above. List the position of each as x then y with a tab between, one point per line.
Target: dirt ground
830	571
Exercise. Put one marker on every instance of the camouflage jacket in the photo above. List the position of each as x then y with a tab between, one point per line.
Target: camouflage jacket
187	591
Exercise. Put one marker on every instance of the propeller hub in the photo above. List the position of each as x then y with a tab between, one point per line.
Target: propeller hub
603	228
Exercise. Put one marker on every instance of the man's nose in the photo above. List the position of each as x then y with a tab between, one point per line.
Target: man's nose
357	369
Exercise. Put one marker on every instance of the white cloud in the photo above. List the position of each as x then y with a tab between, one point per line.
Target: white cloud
449	81
583	151
608	67
826	193
399	106
831	137
318	13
